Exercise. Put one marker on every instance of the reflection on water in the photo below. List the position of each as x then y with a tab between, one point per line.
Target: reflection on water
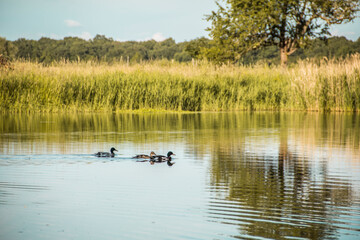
237	175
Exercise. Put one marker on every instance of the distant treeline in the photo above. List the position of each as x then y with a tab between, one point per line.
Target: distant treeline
100	48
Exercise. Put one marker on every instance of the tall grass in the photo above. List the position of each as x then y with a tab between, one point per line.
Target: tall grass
330	85
164	85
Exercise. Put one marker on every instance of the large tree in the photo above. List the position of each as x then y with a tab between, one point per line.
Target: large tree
239	26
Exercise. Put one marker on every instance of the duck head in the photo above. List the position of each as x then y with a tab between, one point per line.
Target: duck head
112	150
170	153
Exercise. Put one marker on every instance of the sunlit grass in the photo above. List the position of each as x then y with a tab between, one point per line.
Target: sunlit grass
171	86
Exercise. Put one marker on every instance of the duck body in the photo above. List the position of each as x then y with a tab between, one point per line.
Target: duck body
162	158
106	154
144	156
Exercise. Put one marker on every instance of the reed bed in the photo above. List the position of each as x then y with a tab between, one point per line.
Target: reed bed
171	86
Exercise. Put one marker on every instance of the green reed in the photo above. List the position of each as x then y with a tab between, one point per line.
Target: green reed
88	86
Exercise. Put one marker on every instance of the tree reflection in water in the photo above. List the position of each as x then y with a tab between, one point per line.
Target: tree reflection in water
283	192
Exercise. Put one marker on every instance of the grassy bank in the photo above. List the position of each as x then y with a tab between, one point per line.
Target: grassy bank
164	85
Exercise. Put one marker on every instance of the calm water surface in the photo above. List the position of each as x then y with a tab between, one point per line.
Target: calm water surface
237	176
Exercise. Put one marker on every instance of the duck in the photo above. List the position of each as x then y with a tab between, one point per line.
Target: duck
162	158
106	154
145	156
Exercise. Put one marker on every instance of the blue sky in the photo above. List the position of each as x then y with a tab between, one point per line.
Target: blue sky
121	20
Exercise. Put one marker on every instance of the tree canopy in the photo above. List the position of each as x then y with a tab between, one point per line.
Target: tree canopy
239	26
102	49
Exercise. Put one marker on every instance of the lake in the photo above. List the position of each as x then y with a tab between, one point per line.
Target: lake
260	175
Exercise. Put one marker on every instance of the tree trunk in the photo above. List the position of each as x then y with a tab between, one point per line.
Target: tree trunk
283	57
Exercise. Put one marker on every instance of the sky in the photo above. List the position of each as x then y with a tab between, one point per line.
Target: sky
122	20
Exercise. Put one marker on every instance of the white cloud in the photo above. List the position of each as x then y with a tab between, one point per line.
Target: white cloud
72	23
159	37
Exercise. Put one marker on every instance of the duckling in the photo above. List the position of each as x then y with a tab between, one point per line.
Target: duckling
106	154
145	156
162	158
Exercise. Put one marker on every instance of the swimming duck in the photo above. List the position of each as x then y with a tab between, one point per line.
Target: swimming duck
106	154
162	158
145	156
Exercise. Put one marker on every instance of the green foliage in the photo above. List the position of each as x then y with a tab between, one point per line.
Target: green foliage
240	26
332	48
196	47
102	49
7	48
182	56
